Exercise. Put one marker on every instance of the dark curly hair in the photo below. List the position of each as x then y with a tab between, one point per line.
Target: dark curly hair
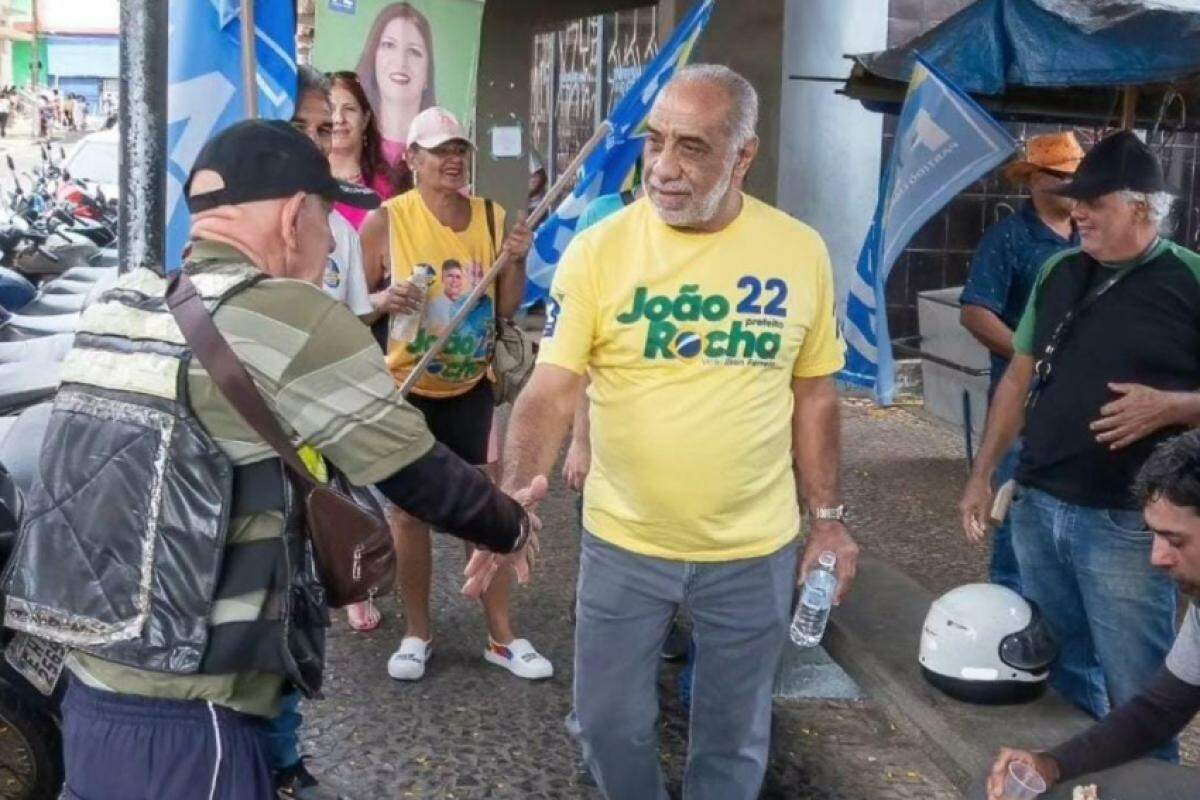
1172	473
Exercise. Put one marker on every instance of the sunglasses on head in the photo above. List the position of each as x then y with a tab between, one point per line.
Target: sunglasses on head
1055	173
343	74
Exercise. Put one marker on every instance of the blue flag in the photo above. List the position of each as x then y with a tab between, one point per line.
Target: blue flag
205	92
944	143
608	169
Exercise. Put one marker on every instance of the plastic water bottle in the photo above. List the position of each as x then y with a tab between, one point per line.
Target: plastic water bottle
812	614
405	326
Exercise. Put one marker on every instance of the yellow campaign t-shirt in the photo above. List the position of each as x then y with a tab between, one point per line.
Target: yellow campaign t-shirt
691	341
458	261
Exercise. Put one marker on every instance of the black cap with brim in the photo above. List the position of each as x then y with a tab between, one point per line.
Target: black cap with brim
1120	162
268	160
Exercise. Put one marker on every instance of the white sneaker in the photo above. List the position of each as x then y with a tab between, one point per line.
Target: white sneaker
408	662
519	658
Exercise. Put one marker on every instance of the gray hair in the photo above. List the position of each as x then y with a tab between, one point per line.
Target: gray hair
742	123
1158	205
310	80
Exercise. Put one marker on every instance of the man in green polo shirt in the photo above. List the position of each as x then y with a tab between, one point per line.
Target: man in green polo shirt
1106	366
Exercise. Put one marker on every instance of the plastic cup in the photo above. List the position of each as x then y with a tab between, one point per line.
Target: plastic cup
1023	782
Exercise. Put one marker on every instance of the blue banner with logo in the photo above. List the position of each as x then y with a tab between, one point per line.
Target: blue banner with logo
205	92
944	142
608	169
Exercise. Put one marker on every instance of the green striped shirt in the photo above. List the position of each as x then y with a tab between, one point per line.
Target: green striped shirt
323	375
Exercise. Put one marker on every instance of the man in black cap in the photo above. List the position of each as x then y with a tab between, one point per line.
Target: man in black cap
162	547
1107	363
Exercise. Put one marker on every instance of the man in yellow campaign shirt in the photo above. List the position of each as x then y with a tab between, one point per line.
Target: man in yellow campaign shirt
705	321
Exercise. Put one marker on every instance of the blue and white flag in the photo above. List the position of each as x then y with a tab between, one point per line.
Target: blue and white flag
944	143
607	170
205	92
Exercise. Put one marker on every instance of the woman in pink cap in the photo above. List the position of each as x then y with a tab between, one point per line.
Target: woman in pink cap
436	234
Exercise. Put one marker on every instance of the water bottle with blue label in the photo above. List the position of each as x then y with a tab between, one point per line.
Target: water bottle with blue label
812	613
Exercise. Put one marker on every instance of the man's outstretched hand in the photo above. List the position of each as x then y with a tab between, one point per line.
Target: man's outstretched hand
484	564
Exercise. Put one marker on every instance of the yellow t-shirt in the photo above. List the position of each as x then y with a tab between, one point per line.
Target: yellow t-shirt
691	341
458	260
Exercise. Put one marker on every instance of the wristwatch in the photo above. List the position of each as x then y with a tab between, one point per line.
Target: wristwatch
525	531
829	513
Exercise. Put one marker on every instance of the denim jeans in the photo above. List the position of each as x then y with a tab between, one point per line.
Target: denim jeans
283	733
740	610
1113	614
1003	569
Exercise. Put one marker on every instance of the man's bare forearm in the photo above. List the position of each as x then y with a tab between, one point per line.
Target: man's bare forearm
816	437
510	288
581	425
1187	408
988	329
538	425
1006	417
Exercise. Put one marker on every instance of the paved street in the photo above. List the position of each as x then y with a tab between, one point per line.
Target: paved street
471	731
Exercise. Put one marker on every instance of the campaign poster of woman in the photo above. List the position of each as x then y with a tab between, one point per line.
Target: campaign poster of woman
408	56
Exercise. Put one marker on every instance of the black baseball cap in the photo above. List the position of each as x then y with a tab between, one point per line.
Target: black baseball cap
1117	162
262	159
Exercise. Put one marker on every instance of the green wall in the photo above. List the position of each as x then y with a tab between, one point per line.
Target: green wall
21	62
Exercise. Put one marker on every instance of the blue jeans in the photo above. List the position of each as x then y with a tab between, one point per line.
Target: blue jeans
283	733
1113	614
740	611
1003	569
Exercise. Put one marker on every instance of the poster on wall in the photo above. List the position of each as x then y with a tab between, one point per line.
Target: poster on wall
408	55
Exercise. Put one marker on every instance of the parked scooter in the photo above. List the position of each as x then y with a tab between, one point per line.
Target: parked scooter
30	722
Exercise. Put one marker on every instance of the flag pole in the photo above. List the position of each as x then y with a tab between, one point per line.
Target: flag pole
535	218
143	114
249	65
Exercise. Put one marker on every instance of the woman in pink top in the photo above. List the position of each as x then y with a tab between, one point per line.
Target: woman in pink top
358	153
358	156
396	70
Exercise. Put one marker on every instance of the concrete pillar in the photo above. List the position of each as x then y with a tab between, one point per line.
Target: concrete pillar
747	36
829	159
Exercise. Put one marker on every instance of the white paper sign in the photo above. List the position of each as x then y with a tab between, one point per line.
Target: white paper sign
506	141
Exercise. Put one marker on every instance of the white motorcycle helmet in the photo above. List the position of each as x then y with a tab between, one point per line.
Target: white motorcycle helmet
984	643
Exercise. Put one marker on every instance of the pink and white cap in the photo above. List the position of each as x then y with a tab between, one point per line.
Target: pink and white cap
435	126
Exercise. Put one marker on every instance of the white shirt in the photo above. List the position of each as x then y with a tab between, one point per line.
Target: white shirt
5	105
344	279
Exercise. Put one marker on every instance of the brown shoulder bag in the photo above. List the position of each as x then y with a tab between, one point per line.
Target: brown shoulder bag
352	545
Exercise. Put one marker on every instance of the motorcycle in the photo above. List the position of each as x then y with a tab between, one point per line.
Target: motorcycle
30	722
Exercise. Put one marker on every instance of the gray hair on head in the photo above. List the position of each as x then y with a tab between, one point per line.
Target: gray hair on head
743	99
1158	205
310	80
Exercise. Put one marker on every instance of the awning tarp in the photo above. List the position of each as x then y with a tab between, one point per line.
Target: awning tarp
993	44
1050	59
